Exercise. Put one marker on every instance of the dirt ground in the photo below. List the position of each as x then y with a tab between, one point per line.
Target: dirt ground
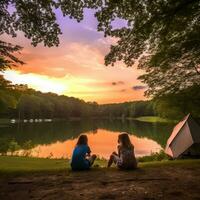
168	183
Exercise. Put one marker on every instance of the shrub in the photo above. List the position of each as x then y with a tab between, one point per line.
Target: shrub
158	156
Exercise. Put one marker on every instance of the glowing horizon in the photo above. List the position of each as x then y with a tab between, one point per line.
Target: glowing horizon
76	68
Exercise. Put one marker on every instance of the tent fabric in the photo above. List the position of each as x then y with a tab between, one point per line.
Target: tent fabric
176	130
195	130
184	135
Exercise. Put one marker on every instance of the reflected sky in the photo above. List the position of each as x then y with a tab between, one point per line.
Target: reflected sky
102	142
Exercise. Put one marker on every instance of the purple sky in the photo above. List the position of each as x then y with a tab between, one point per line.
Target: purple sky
76	68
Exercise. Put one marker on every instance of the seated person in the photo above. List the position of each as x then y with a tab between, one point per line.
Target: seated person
125	158
81	159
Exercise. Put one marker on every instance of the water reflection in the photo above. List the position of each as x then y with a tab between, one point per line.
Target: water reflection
57	139
102	143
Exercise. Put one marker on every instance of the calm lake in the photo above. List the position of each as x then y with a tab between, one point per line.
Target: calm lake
57	139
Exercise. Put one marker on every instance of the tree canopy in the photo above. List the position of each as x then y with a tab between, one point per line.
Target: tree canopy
162	35
7	58
37	20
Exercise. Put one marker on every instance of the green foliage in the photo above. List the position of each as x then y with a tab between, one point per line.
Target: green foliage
34	104
13	146
37	19
162	35
7	101
4	145
8	58
175	106
154	119
160	156
17	101
8	96
127	109
8	145
4	84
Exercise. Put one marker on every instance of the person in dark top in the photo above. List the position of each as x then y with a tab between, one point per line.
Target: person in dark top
81	158
125	158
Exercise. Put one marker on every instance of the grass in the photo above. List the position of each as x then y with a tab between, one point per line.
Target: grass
9	164
24	165
17	164
154	119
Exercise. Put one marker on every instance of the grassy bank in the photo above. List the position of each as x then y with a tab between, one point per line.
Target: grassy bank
154	119
9	164
14	165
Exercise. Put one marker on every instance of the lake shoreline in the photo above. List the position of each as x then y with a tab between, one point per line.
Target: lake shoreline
152	180
150	119
57	139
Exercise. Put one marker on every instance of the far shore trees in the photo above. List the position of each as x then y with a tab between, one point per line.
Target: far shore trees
162	36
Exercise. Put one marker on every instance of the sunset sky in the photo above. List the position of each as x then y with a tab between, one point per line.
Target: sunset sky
76	68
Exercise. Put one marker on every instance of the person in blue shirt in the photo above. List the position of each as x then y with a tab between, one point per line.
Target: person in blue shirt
81	158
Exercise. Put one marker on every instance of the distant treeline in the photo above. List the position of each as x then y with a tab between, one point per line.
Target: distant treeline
21	102
32	104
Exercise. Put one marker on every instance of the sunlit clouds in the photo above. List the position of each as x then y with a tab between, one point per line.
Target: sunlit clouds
76	68
38	82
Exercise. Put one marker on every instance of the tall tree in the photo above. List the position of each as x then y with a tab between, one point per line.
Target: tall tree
37	19
8	58
162	35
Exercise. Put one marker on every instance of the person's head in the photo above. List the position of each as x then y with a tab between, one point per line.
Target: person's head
82	140
124	140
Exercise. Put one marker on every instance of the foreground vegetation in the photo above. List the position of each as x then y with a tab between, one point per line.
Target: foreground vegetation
17	164
14	164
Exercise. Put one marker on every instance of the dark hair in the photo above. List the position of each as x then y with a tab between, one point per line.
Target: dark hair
125	140
82	140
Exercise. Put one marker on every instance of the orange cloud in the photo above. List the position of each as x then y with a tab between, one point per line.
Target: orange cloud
76	68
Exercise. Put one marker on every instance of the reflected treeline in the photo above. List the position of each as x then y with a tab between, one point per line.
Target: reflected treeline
11	147
158	132
47	133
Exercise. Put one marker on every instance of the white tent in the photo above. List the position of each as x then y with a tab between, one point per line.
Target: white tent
185	139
